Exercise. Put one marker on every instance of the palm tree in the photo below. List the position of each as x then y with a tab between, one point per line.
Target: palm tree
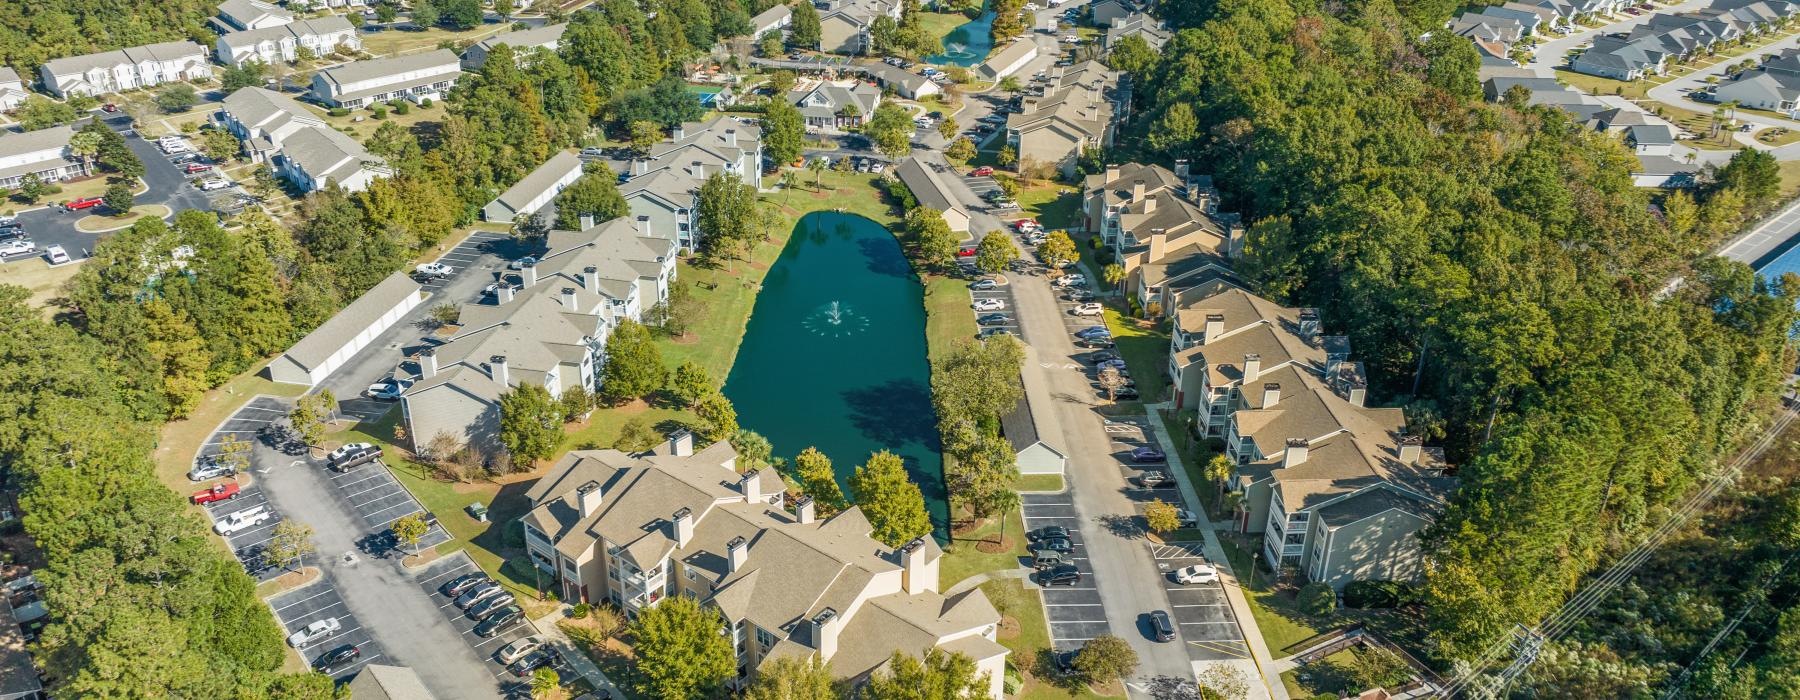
789	180
544	681
818	167
84	145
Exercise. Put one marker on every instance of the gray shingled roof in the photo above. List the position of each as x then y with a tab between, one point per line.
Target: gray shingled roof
318	345
383	67
166	51
305	27
16	144
925	186
527	38
539	180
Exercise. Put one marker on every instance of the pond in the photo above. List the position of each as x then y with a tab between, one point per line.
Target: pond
968	44
834	356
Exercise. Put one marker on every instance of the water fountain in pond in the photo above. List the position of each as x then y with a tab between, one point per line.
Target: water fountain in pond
836	320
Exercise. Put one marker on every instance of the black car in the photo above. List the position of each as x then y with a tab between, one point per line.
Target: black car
1044	533
461	584
1055	544
499	621
1060	575
991	332
530	662
994	320
1102	343
487	608
1127	393
1161	626
336	657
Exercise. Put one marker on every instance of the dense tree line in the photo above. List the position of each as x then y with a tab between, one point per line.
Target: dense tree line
34	32
1497	271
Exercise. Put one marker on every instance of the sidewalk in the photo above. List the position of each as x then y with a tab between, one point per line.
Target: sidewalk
576	659
1265	669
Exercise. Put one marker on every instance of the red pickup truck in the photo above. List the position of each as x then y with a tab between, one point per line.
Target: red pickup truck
85	203
223	491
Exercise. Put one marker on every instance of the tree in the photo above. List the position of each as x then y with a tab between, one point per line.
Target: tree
961	150
1222	682
39	112
891	128
937	676
690	383
1175	130
1112	380
817	166
644	136
1104	658
783	131
637	434
805	31
728	216
892	502
1754	174
634	366
118	198
995	252
1058	249
682	650
385	12
32	188
1133	55
1007	157
1161	517
1113	273
754	450
179	97
781	82
1010	84
817	479
235	452
85	144
243	75
179	353
717	418
1317	599
290	543
544	682
936	243
792	678
411	528
948	128
460	14
595	193
682	310
219	144
113	153
531	228
309	414
424	14
530	422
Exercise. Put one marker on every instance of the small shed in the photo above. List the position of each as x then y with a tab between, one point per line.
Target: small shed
1034	456
337	340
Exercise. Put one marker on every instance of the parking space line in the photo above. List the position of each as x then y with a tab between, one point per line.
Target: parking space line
432	582
1072	605
371	516
302	600
382	485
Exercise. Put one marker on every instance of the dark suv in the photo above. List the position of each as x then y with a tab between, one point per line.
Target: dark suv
355	458
1060	575
1161	626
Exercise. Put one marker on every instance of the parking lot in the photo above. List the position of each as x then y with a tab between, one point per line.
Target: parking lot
1001	292
469	254
1074	612
244	425
983	186
1208	629
442	572
379	499
298	608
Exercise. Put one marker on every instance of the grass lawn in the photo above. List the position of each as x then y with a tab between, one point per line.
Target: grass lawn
1279	621
1778	136
1790	178
1029	641
947	317
1054	205
1596	85
360	124
1052	483
1146	353
181	439
393	41
963	557
39	278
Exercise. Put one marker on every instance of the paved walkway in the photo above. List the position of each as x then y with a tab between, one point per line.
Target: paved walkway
986	576
577	660
1261	665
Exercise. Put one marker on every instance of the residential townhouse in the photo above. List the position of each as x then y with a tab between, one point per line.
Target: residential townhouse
1666	38
1338	489
547	37
297	143
832	106
1164	227
930	190
1505	31
1658	164
1142	25
44	152
417	78
1077	113
1775	86
536	190
282	43
12	90
774	19
1102	13
244	15
636	530
549	329
126	69
665	187
904	83
844	25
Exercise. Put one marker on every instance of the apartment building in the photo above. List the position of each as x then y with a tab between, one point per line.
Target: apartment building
126	69
549	327
245	15
635	530
12	90
1164	227
419	77
283	42
547	37
1140	25
297	142
844	25
1077	112
44	152
664	188
536	190
833	107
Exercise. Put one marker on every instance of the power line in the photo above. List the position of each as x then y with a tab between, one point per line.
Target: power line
1676	686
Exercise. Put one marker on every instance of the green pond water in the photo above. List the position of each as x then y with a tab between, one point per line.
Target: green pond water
834	356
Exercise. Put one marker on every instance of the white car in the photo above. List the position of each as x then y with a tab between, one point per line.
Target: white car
1198	573
989	304
1031	7
243	520
56	254
1071	39
522	262
518	649
1069	280
1186	518
435	270
593	152
17	246
351	448
877	166
214	184
389	388
319	629
1088	309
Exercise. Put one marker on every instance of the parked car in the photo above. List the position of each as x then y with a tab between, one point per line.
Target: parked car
994	320
982	285
1088	309
56	255
196	168
966	252
1154	480
222	491
593	152
518	649
876	166
1114	363
433	269
1079	296
524	666
480	611
1148	454
1094	332
243	520
1100	358
1053	544
989	304
1060	575
347	449
211	467
1070	280
83	203
340	656
212	183
317	630
109	107
389	389
479	593
522	262
1198	573
353	459
1161	627
982	171
461	584
1099	343
1047	532
1026	225
17	246
991	332
1126	393
499	621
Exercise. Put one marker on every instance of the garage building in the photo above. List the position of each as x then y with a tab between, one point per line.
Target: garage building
1010	60
929	189
1019	427
327	348
536	190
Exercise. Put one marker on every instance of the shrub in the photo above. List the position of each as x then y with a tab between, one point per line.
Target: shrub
1317	598
402	106
380	111
339	112
580	611
1373	594
425	102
